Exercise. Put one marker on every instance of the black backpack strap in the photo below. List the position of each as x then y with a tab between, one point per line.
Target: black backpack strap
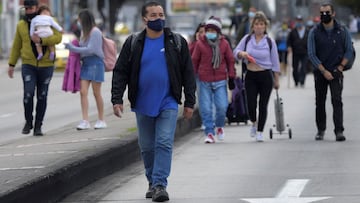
177	41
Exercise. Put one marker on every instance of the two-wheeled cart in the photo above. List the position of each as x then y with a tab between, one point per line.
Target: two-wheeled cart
279	118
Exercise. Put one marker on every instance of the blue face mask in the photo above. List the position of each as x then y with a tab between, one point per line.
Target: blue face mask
251	14
211	35
156	25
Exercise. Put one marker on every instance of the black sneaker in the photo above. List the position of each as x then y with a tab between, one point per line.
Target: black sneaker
38	132
37	129
27	127
340	137
319	135
149	192
160	194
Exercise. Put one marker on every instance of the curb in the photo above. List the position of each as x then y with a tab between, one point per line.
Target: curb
64	180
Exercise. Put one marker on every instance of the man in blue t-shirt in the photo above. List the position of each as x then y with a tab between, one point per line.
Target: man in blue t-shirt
156	66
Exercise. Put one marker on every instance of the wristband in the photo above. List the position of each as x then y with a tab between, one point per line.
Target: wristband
342	65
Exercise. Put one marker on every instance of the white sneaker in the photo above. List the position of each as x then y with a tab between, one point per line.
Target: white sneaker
209	139
100	124
84	124
259	137
220	134
253	131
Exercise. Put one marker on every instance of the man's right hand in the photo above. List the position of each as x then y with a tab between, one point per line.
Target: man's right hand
327	75
11	71
118	110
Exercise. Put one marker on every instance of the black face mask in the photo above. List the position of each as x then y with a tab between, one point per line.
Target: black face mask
325	18
30	16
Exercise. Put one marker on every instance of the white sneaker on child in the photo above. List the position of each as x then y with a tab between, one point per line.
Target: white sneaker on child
83	125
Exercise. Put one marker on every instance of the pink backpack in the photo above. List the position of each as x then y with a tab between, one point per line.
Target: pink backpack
110	53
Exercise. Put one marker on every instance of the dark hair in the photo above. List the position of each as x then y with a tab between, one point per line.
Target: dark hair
43	8
148	4
201	25
87	21
328	4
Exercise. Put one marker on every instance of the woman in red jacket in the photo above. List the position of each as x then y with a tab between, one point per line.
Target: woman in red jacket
214	64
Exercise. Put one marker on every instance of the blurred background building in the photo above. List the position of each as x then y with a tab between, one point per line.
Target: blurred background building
118	18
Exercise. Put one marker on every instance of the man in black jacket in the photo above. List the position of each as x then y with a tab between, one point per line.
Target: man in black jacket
155	66
329	50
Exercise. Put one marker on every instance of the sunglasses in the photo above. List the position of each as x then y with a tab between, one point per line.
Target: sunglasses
325	12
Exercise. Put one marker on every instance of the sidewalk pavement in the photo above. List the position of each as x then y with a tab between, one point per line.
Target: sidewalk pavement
45	169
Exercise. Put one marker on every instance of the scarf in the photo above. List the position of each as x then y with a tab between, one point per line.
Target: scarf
216	59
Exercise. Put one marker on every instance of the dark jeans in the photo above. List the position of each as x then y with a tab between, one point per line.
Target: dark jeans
35	78
300	62
336	87
258	84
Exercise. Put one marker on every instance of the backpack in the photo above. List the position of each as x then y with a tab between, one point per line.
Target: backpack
267	39
243	64
110	52
176	41
350	62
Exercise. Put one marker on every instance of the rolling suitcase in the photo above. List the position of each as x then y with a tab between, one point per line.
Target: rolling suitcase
279	117
237	110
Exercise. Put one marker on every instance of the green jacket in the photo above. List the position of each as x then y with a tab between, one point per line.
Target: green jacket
22	48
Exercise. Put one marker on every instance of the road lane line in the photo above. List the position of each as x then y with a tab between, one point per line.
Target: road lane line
22	168
36	153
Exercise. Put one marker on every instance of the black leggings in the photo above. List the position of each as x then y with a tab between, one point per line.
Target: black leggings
260	84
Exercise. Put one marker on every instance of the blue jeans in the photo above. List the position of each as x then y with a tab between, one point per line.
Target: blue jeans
39	79
213	93
156	138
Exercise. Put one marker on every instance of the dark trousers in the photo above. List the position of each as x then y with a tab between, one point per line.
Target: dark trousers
258	84
300	62
336	87
35	78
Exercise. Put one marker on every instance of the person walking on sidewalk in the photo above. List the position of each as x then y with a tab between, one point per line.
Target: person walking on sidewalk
262	74
155	65
329	50
36	74
92	69
214	64
297	45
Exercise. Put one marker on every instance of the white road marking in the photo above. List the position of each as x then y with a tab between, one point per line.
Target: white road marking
7	115
22	168
68	142
290	193
36	153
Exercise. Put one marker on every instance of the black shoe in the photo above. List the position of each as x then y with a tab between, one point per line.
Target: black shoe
160	194
38	132
27	127
319	135
37	129
149	192
340	137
